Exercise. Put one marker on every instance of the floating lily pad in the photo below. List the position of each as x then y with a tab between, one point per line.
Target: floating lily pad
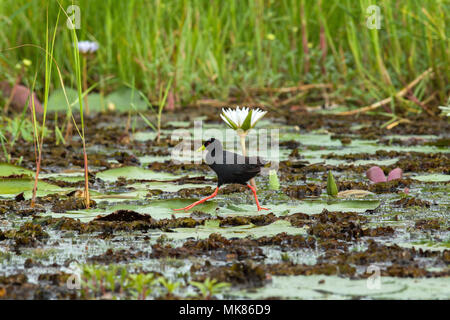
167	186
179	124
334	162
135	173
334	287
15	186
432	246
57	101
7	169
250	230
353	193
67	177
144	135
433	177
306	206
123	99
158	209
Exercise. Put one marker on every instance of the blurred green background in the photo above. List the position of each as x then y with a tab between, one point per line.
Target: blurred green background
218	49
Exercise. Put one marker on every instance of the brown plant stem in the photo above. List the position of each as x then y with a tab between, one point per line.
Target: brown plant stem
399	94
36	155
69	128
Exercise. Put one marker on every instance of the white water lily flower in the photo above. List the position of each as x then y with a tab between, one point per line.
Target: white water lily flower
244	119
87	46
445	110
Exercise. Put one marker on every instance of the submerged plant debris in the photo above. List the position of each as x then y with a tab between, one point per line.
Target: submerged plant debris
323	247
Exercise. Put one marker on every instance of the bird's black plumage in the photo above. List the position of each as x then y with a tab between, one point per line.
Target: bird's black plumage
231	167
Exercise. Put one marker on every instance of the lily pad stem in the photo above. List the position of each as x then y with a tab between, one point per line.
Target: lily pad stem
242	135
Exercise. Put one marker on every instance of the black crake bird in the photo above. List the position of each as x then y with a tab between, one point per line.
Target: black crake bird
230	168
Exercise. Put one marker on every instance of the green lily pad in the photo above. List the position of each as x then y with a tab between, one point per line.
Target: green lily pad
123	98
158	209
250	230
7	169
432	246
167	186
433	177
306	206
145	135
67	177
179	124
16	186
57	101
96	102
334	287
135	173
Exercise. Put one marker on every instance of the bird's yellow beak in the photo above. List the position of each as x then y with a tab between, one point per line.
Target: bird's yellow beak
201	148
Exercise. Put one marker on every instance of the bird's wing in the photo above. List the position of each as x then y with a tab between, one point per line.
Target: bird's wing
234	158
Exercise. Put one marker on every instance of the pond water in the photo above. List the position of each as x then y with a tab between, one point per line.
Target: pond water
391	241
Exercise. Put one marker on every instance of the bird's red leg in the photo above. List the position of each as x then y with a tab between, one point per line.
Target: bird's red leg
256	198
199	201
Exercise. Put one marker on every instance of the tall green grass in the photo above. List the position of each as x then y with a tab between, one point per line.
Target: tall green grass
39	135
39	131
77	69
218	48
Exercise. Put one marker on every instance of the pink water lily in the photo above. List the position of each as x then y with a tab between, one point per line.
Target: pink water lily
376	175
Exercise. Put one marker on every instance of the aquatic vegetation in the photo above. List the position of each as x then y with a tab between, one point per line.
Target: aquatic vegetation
142	283
446	109
334	38
209	288
274	184
114	282
39	135
332	189
105	228
376	175
77	69
87	46
243	119
169	286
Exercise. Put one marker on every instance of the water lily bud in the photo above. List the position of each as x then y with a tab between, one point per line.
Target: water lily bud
332	189
274	184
